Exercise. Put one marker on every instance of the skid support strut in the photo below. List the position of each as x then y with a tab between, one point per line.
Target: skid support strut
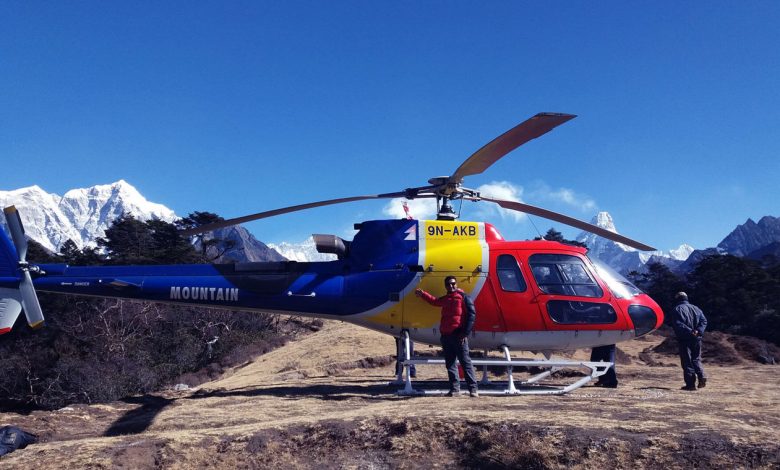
403	374
485	380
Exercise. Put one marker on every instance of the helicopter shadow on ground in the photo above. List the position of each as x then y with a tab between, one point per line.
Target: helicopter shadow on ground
139	419
381	390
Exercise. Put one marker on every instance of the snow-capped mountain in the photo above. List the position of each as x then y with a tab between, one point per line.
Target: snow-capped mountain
624	258
682	253
304	251
81	215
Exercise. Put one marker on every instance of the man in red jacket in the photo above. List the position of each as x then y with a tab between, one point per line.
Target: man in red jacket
457	320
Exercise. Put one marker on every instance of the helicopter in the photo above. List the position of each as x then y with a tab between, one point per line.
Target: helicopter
539	296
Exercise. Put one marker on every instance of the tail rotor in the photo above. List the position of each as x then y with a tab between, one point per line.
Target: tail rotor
28	297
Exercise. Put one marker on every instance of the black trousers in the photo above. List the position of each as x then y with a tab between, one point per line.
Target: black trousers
606	354
690	360
454	348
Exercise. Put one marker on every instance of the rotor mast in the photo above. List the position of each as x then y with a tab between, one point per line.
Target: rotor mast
445	190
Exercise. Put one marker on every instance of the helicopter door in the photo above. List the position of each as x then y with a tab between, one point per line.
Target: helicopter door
516	301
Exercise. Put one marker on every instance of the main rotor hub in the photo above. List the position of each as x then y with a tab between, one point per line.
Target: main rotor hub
444	186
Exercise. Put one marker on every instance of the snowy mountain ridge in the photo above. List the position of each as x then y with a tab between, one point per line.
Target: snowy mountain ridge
624	258
303	251
81	215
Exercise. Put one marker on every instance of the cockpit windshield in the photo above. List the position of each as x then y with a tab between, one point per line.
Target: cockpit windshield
621	287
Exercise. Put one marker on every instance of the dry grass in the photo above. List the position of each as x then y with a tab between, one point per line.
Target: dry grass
324	402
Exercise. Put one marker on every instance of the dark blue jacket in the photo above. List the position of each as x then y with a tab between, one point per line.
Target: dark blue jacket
686	319
469	314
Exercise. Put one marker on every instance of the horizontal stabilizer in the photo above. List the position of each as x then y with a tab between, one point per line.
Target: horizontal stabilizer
10	308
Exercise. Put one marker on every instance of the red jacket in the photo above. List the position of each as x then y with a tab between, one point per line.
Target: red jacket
451	310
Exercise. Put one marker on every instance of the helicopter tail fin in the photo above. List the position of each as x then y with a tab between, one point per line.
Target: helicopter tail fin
10	298
10	308
17	292
8	257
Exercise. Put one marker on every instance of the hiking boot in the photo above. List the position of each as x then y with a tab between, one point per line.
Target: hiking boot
474	394
702	383
688	388
453	393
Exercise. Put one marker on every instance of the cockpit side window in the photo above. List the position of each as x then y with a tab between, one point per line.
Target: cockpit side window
563	275
509	275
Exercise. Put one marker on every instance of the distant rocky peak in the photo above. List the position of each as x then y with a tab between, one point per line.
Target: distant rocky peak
118	188
621	257
682	253
752	236
604	220
601	245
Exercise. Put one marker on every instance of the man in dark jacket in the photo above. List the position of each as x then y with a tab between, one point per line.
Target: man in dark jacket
689	324
457	320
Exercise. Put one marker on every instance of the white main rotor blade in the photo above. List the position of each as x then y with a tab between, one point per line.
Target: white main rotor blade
565	219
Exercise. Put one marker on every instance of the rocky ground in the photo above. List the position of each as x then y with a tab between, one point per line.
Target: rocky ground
325	402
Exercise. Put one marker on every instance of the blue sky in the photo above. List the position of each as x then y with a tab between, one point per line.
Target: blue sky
240	107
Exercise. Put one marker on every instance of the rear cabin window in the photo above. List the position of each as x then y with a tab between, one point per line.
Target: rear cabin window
563	275
509	275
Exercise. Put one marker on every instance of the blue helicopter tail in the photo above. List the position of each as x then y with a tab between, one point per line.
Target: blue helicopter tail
10	295
8	257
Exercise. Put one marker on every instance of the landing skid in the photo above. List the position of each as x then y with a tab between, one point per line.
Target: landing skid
529	386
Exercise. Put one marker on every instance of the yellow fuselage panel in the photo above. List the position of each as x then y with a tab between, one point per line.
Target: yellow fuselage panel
446	248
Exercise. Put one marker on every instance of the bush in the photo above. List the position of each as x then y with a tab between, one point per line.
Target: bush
141	347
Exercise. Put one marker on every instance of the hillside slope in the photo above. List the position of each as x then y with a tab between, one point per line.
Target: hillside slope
324	401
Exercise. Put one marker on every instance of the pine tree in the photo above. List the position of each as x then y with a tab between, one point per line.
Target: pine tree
556	236
660	283
211	248
131	241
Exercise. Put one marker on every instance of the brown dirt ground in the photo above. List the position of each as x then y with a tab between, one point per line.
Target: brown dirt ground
324	401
